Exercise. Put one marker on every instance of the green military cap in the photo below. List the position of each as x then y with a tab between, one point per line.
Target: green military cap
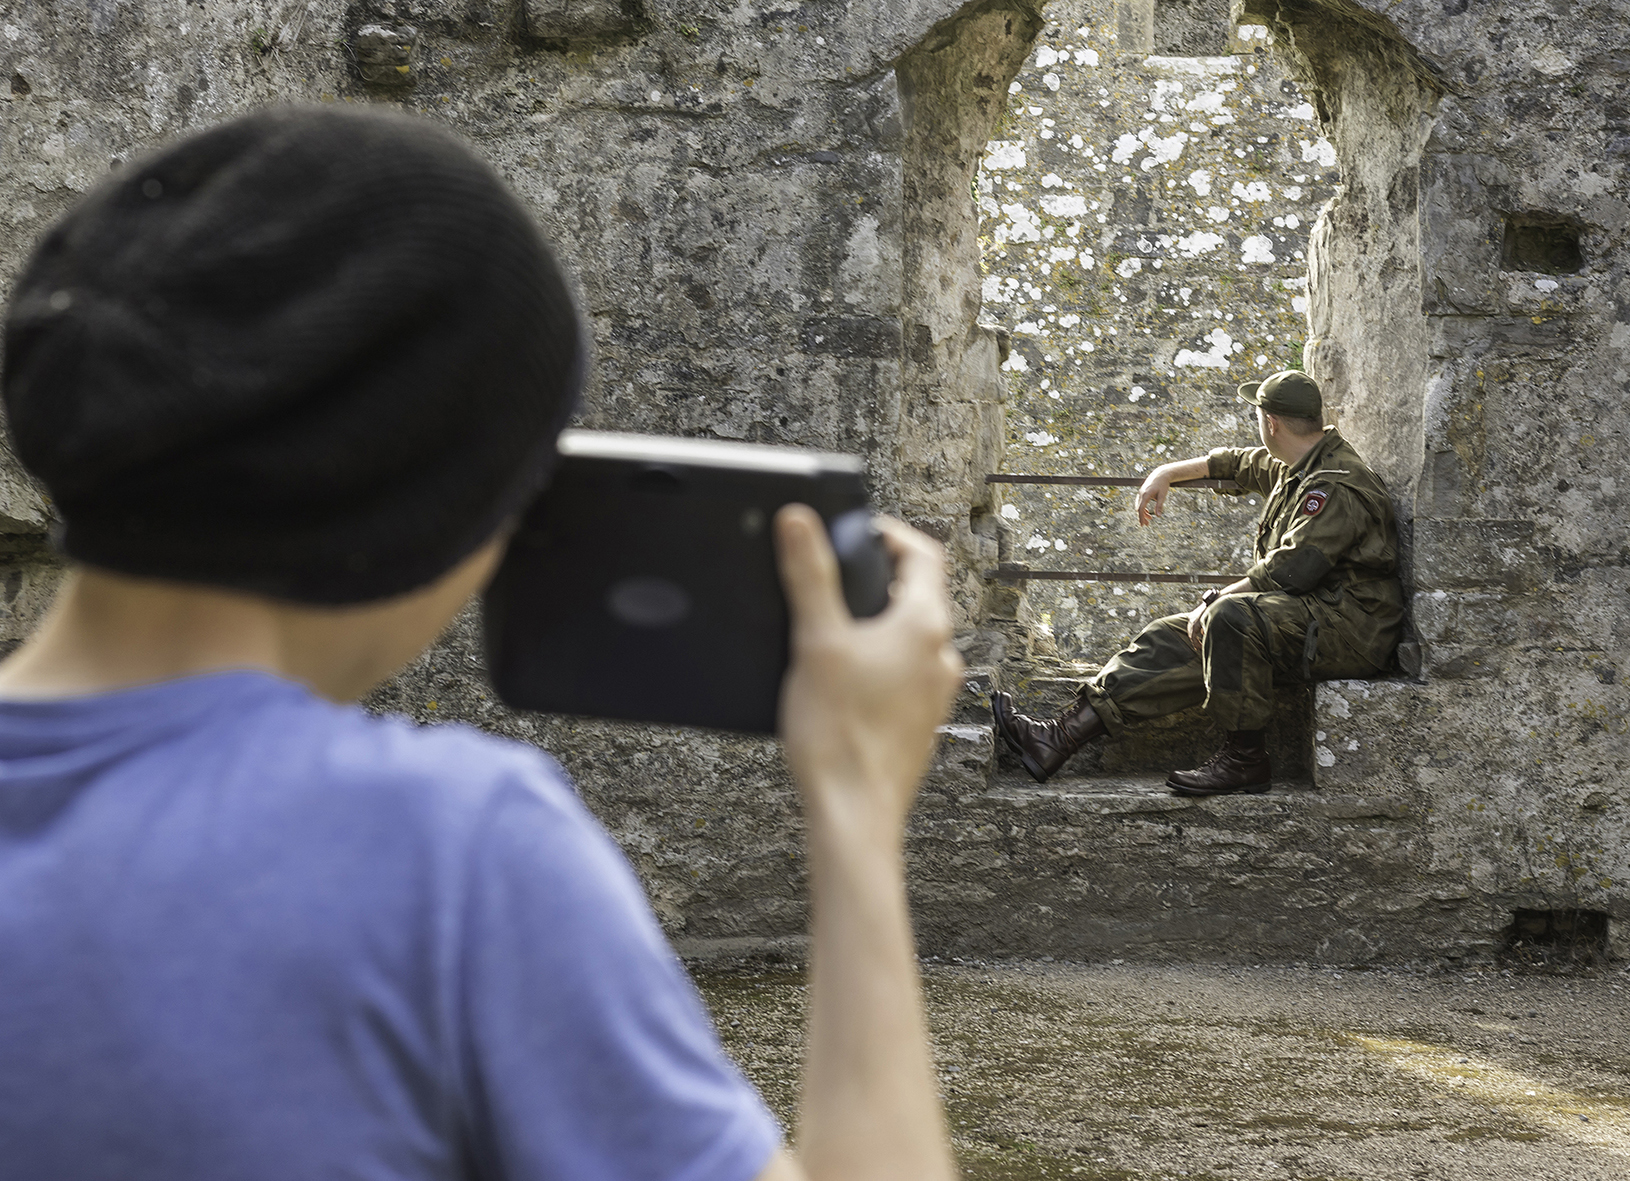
1290	392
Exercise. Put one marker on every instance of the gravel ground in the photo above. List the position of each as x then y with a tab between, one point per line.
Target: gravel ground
1113	1071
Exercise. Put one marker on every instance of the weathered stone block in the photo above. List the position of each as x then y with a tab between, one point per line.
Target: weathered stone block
1470	553
1360	731
1469	617
1460	237
964	758
23	510
972	706
385	54
1618	939
582	19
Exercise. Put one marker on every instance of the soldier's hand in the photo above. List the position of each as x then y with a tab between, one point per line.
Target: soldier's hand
1152	496
1197	628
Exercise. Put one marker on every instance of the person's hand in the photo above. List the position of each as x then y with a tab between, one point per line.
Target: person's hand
1197	625
863	698
1152	496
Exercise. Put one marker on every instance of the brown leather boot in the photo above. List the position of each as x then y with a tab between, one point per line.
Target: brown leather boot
1044	746
1241	765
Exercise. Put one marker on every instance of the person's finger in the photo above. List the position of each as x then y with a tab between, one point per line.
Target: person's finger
808	568
919	571
916	555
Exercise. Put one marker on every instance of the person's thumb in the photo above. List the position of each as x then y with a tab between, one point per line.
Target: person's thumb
809	568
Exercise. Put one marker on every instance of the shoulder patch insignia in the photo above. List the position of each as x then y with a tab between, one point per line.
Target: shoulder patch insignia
1313	502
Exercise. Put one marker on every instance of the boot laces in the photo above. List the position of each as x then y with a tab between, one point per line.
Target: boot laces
1230	752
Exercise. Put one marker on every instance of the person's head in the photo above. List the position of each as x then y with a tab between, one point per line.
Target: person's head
316	355
1289	412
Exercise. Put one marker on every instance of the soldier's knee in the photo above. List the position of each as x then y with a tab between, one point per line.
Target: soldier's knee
1232	612
1166	623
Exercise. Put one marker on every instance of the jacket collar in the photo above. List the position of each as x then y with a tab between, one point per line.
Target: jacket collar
1314	459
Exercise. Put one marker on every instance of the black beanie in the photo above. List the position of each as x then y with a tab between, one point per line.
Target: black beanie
316	354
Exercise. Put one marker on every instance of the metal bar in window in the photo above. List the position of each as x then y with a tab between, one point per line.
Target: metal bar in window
1008	572
1105	481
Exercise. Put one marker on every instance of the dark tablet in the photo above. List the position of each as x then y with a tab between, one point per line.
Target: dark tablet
642	584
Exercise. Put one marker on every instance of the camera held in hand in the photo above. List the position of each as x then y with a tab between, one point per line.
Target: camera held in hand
642	584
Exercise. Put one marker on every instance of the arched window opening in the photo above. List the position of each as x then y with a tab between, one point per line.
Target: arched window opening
1144	223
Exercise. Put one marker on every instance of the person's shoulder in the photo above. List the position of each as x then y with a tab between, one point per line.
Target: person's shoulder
1343	465
347	750
1345	483
1274	470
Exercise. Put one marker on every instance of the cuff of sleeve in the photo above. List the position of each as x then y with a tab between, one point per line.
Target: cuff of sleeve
1222	463
1260	579
740	1152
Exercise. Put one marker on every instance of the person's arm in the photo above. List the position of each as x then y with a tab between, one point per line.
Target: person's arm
1253	469
859	712
1197	616
1151	501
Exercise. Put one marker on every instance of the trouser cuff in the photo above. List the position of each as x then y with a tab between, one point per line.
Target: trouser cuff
1108	712
1236	711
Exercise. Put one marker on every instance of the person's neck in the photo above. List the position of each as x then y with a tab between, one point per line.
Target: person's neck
1290	450
106	631
110	631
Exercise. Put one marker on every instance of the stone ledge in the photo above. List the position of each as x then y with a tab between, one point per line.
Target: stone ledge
1127	794
742	950
1108	795
1135	785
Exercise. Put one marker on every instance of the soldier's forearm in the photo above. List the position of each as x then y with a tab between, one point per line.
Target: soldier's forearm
1151	500
1184	469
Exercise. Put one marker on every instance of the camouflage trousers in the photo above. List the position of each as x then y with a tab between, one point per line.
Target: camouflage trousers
1249	640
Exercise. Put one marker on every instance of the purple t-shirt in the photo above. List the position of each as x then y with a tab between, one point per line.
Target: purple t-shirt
246	934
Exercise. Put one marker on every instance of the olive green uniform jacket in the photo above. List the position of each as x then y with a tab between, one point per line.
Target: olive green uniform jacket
1325	600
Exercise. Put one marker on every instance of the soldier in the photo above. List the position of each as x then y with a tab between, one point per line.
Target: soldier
1322	601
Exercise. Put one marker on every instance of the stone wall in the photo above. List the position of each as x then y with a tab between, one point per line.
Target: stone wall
766	208
771	213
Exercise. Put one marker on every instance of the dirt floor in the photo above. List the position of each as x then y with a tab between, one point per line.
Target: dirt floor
1120	1072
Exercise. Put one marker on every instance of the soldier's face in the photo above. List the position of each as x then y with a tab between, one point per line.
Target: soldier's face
1273	435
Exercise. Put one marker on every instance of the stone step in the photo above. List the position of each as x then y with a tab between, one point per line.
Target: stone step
1114	865
1129	788
1352	736
969	763
1111	863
